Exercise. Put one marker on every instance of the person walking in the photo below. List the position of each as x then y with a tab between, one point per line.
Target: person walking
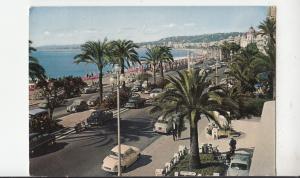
178	131
174	130
232	145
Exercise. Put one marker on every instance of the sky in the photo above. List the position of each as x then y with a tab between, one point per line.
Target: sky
75	25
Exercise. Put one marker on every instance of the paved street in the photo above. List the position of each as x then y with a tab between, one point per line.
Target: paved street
62	110
82	154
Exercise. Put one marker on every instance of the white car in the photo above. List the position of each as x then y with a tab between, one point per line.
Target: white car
164	125
145	84
129	155
155	92
239	164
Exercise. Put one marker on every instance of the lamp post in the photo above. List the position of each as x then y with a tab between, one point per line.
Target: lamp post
231	54
119	78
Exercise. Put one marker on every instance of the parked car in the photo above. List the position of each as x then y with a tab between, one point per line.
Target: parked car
226	71
135	101
88	90
37	141
145	84
155	92
239	164
130	79
136	88
164	125
93	101
44	103
129	155
77	105
99	117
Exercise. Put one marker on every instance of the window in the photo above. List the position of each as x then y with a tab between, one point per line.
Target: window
239	166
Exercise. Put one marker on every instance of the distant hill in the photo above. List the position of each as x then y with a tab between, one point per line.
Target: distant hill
174	39
194	39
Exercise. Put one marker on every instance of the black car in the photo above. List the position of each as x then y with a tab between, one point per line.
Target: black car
136	88
135	101
93	101
38	140
99	117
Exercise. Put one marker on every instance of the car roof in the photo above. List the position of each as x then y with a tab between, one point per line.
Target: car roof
242	159
36	111
33	134
124	148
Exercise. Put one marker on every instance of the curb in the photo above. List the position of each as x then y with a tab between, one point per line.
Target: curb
72	129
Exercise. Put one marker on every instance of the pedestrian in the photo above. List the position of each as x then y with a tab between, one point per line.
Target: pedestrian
232	145
174	130
178	131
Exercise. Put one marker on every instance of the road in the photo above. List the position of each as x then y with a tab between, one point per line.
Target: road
82	154
62	110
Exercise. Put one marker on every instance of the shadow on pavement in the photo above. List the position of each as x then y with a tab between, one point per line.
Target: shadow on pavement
186	138
142	161
48	149
131	130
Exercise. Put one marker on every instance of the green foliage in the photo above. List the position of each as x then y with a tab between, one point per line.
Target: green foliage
98	53
143	76
228	48
187	94
208	167
124	53
72	85
43	125
111	102
243	70
251	106
36	71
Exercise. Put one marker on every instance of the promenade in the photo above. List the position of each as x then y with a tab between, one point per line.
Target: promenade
163	149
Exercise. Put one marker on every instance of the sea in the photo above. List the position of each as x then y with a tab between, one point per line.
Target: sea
60	63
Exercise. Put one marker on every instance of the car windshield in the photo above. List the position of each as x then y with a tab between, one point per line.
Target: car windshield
114	154
94	98
162	121
77	102
239	166
94	113
156	91
132	100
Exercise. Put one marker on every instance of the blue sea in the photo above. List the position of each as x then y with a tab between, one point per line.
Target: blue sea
61	63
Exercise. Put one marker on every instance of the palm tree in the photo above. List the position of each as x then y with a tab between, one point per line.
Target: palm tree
166	56
268	60
124	52
98	53
268	28
243	70
190	97
227	48
153	57
36	71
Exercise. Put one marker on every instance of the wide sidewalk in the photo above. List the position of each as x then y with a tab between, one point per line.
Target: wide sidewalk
163	149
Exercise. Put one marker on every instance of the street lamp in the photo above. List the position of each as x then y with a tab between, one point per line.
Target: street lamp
216	67
116	80
231	54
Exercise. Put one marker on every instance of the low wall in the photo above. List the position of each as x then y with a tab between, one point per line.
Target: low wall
263	160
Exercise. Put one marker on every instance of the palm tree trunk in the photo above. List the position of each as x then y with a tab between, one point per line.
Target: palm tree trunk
100	85
194	145
122	72
154	75
162	71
